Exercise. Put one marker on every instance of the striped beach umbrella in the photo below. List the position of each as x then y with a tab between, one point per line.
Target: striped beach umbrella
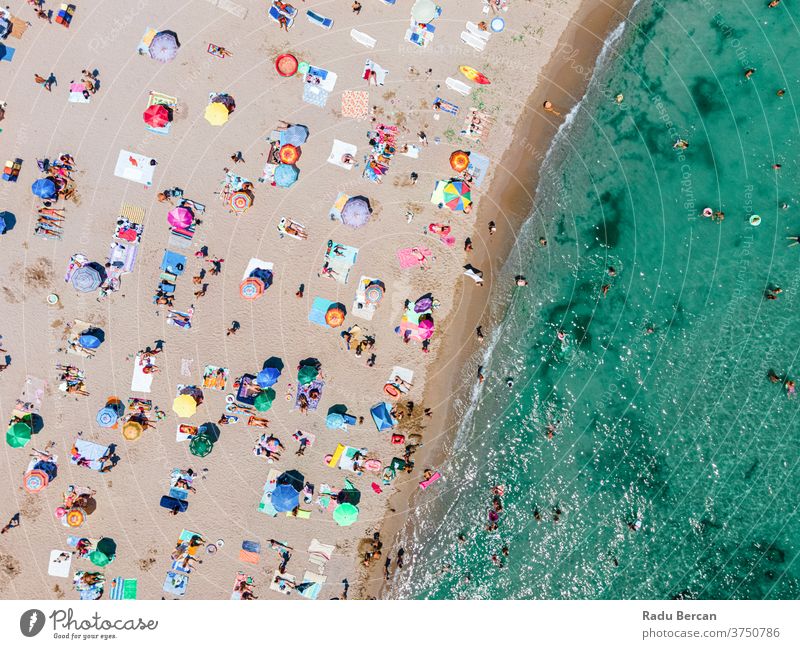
457	195
35	480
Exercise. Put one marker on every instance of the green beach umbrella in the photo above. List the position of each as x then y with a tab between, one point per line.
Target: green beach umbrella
307	374
98	558
200	446
345	514
18	435
264	399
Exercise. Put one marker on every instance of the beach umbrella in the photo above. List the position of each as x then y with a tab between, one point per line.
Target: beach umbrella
200	446
18	435
374	293
334	316
459	160
268	377
76	517
44	188
345	514
382	416
35	480
286	175
356	211
184	405
226	100
107	417
108	547
457	195
423	11
265	275
426	327
286	65
264	399
2	224
98	558
289	154
423	304
296	134
285	498
89	341
216	114
180	217
307	374
334	420
241	201
293	478
157	115
132	430
86	279
164	46
251	288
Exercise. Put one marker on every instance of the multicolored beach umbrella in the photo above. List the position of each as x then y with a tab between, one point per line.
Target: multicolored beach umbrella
164	46
35	480
457	195
107	417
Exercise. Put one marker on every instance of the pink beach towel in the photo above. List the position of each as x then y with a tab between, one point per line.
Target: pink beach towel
410	257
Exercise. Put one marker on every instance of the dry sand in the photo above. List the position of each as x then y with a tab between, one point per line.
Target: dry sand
41	124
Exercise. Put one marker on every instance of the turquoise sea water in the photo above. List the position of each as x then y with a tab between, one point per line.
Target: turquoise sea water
679	428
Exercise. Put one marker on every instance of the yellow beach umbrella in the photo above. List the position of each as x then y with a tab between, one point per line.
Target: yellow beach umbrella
184	405
216	114
132	430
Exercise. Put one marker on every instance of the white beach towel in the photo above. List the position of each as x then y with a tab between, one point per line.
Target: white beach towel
311	585
473	41
412	151
134	167
380	73
365	39
405	376
362	308
59	564
319	554
473	29
458	86
282	583
339	150
140	382
256	264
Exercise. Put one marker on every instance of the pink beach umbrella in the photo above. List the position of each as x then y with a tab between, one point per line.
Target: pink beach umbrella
180	217
426	328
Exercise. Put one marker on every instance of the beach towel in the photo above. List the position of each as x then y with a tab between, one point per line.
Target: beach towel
409	322
311	585
215	378
165	100
319	554
318	20
315	95
321	78
339	150
411	151
478	168
380	73
420	35
355	104
458	86
473	29
144	45
305	390
175	583
401	378
18	27
361	307
339	259
446	106
250	552
59	564
30	399
477	125
241	578
347	461
282	583
134	167
76	95
256	264
141	382
181	319
415	256
300	435
364	39
7	53
73	334
335	212
319	307
185	432
265	506
88	454
123	588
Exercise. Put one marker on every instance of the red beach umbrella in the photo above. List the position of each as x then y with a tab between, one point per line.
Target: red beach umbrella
289	154
157	116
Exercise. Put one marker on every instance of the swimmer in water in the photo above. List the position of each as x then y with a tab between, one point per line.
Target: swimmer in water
749	73
680	144
791	389
636	525
510	383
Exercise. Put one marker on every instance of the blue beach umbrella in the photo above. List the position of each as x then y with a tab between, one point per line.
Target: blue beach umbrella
44	188
295	135
107	417
334	420
89	341
286	175
268	377
86	279
285	498
382	417
2	225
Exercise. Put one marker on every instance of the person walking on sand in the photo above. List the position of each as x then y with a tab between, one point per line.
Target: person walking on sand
50	82
356	6
300	290
386	566
492	228
202	291
12	523
237	157
235	326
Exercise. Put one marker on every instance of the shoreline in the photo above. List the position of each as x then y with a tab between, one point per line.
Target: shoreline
564	80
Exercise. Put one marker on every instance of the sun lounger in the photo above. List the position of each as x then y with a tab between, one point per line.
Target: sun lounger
364	39
319	21
134	167
473	41
59	564
339	150
141	382
459	86
311	585
289	13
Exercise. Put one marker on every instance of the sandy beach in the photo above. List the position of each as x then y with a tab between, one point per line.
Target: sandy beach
230	482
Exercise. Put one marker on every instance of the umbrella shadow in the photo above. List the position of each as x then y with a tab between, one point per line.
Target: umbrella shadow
338	409
10	219
274	362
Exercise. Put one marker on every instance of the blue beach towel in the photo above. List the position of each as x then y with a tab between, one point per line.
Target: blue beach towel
321	21
319	308
173	263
